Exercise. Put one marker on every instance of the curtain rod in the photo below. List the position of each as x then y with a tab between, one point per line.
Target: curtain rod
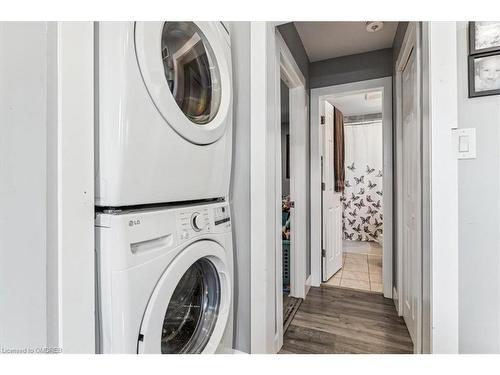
362	123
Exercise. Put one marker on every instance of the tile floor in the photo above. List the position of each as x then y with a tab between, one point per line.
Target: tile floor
362	269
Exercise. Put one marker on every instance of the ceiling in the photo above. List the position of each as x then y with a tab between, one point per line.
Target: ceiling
326	40
363	103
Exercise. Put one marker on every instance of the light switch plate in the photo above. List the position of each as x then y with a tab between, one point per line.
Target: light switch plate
466	143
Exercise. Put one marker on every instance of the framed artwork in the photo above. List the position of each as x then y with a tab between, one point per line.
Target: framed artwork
484	74
484	58
484	36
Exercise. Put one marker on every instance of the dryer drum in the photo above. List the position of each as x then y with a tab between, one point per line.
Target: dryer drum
193	310
191	71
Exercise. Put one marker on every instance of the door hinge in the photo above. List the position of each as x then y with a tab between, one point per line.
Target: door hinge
323	186
323	120
323	252
292	204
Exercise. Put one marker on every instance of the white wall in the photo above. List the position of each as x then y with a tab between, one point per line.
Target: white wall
46	186
240	181
479	217
23	177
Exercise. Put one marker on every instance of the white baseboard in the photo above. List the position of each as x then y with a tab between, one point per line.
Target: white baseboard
395	298
308	285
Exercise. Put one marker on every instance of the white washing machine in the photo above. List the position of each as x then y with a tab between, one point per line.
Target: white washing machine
164	104
165	280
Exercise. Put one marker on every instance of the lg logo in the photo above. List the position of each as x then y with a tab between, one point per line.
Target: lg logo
132	223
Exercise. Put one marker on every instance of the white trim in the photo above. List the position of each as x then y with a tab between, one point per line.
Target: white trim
269	59
278	248
317	97
71	302
262	188
294	79
441	171
409	43
395	299
308	284
288	64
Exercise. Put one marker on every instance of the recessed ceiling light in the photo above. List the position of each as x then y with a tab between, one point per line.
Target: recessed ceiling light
373	26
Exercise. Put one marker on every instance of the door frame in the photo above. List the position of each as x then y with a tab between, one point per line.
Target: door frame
269	59
409	43
437	68
318	96
440	279
296	83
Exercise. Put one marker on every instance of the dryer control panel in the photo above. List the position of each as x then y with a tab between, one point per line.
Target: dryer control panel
196	221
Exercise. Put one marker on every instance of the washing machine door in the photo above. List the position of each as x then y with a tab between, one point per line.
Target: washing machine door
186	68
189	308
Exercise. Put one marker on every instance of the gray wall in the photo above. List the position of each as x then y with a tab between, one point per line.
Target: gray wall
352	68
23	184
294	43
479	217
396	48
239	195
398	40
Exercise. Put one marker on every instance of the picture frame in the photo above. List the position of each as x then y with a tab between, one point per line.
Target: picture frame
484	59
482	89
489	41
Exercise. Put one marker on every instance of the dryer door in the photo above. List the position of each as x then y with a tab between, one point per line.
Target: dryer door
189	308
186	68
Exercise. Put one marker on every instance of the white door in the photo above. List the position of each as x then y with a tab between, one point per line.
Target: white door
332	211
411	197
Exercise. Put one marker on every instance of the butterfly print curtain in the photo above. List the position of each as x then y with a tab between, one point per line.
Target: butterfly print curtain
362	198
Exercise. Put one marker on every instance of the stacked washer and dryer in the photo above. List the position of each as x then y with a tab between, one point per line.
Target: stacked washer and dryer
163	162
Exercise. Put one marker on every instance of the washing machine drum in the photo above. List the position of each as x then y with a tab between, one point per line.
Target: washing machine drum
189	308
186	70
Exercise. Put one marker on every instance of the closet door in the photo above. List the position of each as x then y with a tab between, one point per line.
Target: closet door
411	198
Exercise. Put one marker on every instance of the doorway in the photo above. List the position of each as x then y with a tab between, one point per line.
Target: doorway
364	252
358	224
290	302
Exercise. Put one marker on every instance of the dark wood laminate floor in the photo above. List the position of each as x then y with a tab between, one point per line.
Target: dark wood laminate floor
339	320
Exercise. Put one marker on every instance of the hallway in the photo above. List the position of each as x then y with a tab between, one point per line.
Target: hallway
333	320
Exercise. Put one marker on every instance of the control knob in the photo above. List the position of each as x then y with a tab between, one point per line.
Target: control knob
197	222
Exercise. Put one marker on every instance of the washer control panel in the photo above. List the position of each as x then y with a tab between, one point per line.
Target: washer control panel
195	221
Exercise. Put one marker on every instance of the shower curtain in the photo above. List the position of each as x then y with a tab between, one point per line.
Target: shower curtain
362	197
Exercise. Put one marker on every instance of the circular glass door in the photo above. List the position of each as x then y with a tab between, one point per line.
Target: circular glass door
191	71
186	69
192	311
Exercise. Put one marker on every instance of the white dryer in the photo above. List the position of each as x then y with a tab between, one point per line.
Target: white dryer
164	104
165	280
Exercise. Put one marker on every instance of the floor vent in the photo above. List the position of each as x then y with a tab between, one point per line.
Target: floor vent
291	307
